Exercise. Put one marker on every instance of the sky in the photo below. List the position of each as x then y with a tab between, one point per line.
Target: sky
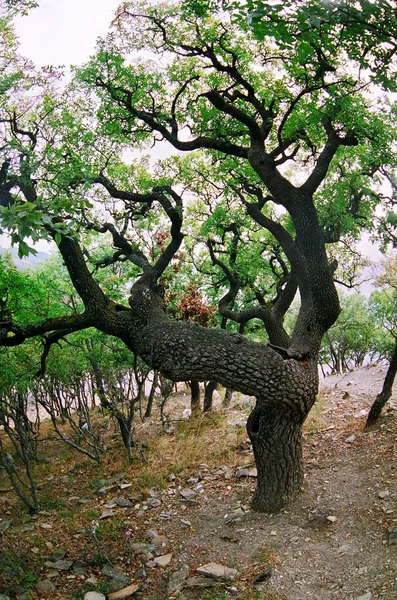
64	32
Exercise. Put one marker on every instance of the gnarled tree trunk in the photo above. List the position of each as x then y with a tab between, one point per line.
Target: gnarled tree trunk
276	436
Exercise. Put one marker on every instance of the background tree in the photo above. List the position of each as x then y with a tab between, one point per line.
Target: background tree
384	305
292	133
351	339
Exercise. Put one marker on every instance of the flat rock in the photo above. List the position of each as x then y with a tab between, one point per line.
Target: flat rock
151	533
234	516
153	502
160	540
188	494
45	586
125	486
384	494
94	596
163	560
141	548
59	553
332	518
118	579
350	439
4	525
24	528
103	490
85	500
366	596
124	593
392	531
59	565
122	502
177	579
52	573
248	471
216	571
189	502
140	574
107	514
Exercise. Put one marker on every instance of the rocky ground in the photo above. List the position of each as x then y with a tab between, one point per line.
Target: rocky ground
194	537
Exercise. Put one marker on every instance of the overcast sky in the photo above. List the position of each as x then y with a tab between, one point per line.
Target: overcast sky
63	32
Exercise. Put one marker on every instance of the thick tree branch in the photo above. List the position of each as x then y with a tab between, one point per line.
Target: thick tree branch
124	97
174	213
274	328
332	144
229	109
12	334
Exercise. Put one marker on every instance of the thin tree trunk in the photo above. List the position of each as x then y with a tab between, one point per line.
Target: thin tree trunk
208	395
386	392
195	396
228	397
149	406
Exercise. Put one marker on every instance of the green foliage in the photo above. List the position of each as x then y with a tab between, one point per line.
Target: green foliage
366	30
353	337
383	306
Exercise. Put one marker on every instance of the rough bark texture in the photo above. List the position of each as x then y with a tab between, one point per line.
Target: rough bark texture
276	435
386	392
285	388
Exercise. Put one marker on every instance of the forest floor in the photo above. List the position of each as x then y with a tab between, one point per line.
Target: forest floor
151	525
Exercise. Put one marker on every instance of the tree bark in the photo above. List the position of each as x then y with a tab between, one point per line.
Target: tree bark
149	406
195	396
209	391
228	397
386	392
276	435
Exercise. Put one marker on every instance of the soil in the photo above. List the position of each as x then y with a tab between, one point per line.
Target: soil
310	556
331	543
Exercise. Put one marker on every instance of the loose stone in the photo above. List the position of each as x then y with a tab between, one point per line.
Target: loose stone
94	596
177	579
384	494
45	586
216	571
59	565
163	561
124	593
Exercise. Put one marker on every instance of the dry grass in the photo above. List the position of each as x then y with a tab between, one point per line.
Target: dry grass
316	421
203	439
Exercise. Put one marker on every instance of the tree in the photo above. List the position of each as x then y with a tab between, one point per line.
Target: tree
384	304
288	135
347	343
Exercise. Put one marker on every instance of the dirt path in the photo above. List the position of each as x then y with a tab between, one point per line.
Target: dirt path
332	542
